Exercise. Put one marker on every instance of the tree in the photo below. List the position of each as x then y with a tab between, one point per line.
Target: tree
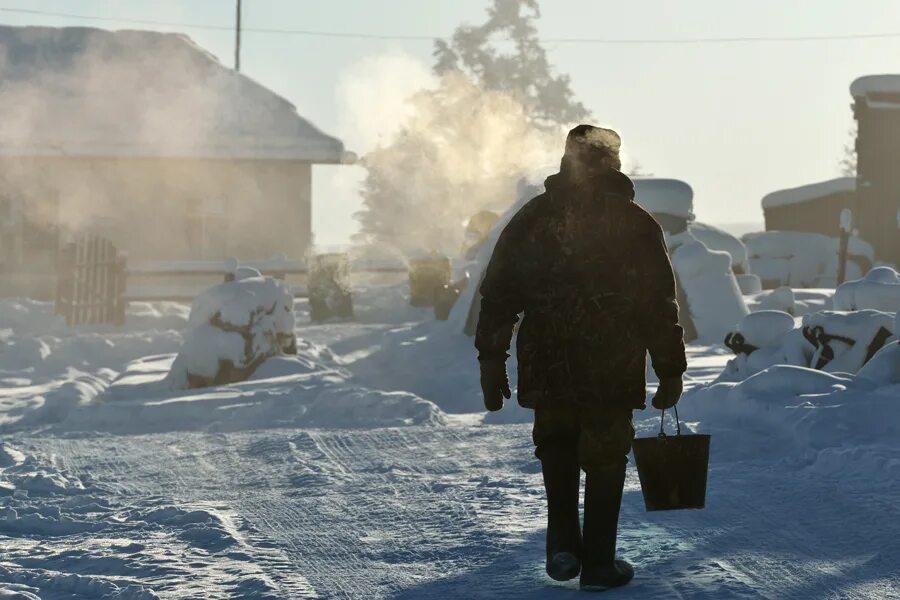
525	73
848	161
493	118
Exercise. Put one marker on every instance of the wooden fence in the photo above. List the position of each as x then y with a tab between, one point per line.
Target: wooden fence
91	282
94	285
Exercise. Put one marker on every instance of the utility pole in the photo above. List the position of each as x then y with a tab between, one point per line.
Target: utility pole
237	39
843	245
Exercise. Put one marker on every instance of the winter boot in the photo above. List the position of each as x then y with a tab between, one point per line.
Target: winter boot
602	498
562	478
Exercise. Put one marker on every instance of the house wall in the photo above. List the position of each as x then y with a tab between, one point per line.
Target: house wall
153	209
170	209
878	149
819	215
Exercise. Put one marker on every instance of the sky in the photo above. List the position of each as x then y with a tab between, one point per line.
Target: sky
734	120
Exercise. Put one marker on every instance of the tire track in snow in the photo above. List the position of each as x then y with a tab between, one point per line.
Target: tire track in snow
437	512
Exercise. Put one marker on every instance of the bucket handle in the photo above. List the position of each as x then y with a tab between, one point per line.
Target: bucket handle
662	422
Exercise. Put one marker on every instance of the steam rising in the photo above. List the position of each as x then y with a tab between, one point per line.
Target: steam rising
455	149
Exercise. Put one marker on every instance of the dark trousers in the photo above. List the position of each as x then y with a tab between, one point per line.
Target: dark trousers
599	437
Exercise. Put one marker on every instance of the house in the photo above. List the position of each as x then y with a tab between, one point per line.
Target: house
876	107
813	208
873	195
145	138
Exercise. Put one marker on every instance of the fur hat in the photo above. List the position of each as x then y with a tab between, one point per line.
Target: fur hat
586	140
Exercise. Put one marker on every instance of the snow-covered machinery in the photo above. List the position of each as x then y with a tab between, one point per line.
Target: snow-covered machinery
232	329
329	287
830	341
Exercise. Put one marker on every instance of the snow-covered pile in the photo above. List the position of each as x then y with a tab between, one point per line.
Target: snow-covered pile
831	341
879	289
720	240
797	302
714	299
803	260
233	328
659	196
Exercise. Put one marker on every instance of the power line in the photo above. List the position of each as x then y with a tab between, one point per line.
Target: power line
429	38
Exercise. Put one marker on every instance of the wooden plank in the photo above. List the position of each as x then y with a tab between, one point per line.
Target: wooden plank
90	306
64	281
77	282
103	283
93	272
111	283
121	270
86	274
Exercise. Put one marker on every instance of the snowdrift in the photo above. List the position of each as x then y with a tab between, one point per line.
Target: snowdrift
119	379
803	260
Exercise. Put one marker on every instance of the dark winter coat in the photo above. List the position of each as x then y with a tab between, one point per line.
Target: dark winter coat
590	270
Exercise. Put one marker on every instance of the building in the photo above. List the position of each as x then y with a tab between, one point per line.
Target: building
873	195
876	107
813	208
144	138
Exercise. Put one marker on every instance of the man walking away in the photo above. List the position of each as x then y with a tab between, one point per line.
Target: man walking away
589	269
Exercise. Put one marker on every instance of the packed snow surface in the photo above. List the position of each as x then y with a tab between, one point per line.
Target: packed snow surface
363	467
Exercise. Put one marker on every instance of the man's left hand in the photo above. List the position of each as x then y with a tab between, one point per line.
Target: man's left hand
668	393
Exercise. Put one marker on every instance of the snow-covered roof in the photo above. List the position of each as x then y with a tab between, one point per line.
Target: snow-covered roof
90	92
805	193
878	91
665	196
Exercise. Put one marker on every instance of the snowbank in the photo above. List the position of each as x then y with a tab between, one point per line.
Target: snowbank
118	379
232	329
665	196
720	240
803	260
879	290
714	299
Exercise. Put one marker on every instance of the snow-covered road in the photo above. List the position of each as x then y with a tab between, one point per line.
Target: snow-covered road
429	512
365	470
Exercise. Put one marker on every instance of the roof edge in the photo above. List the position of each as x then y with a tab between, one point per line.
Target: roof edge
812	191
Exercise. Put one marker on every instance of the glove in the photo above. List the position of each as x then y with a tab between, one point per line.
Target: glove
494	383
668	393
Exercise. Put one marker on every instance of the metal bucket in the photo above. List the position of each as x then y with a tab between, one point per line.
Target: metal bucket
673	469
